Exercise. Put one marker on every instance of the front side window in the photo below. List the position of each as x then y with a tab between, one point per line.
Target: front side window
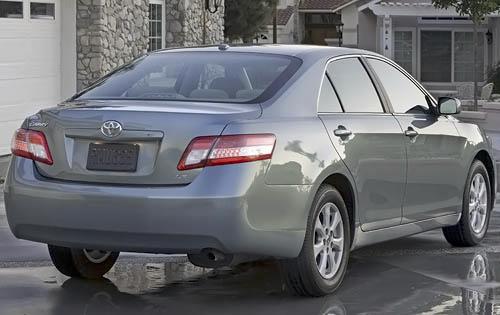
155	26
328	101
404	95
197	76
11	9
354	86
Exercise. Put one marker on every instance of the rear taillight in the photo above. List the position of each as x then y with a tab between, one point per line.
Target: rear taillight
230	149
32	145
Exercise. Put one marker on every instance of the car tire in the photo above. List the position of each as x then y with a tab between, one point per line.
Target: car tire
304	275
80	263
476	210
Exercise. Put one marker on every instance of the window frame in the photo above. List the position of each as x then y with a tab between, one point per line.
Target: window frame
163	23
326	78
41	18
433	105
376	84
460	28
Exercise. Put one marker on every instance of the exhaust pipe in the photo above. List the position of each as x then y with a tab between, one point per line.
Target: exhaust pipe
210	258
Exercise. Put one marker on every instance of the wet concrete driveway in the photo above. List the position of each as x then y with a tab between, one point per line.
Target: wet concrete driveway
416	275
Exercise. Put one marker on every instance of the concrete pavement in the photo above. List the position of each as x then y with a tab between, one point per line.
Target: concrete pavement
415	275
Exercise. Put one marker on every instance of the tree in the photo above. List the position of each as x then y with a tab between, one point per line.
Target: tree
244	19
476	10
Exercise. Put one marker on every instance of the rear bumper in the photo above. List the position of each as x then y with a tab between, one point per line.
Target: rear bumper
244	216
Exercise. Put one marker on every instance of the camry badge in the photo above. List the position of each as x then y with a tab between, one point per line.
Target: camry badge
111	128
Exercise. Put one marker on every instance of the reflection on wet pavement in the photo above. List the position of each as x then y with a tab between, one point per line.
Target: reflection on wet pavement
416	275
456	284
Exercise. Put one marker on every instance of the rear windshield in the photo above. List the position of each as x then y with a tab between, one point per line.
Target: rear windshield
197	76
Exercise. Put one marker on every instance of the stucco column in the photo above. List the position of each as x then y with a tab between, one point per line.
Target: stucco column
387	36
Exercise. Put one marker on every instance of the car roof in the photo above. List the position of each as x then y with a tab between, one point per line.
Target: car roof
300	51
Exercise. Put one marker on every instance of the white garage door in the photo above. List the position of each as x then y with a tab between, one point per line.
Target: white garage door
30	61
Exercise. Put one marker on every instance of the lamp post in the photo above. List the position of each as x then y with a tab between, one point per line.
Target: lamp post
212	6
339	27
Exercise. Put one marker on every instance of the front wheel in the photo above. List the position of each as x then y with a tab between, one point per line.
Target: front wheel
82	263
476	210
322	262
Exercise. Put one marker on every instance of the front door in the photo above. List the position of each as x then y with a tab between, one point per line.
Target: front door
369	140
433	148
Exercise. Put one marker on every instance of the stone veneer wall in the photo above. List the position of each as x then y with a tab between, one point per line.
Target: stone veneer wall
113	32
109	34
184	24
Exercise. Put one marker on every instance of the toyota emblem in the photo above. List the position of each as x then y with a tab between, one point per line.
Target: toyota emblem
111	128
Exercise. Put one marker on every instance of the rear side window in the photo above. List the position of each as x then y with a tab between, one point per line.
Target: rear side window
198	76
328	101
404	95
354	87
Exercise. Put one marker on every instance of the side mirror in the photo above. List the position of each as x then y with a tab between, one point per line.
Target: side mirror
449	106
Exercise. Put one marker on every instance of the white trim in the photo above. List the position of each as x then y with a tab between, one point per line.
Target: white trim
367	5
163	21
345	5
329	10
410	9
448	20
68	48
315	11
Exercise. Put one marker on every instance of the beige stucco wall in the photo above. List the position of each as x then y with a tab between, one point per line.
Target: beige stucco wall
350	20
367	31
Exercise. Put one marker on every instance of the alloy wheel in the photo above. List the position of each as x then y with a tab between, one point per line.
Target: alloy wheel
328	240
478	203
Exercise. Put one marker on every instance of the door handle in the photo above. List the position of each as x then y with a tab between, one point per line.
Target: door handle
342	132
410	132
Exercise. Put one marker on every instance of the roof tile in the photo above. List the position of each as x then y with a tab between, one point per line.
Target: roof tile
322	4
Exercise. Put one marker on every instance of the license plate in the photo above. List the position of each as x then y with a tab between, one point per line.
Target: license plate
115	157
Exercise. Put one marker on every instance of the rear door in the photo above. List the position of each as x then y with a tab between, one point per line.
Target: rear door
434	147
369	140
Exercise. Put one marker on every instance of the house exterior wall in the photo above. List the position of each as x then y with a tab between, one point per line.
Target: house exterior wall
372	36
68	49
495	47
350	20
109	33
184	24
285	34
367	23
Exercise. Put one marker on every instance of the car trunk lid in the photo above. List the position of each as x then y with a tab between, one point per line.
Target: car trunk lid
160	131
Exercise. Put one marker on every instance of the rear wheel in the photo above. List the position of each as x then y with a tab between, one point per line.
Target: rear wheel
82	263
476	210
322	263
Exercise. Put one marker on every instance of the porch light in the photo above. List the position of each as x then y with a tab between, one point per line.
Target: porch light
489	37
212	6
339	27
